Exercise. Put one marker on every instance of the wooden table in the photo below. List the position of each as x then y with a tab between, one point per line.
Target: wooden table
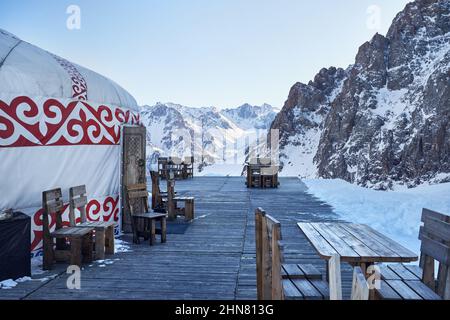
356	244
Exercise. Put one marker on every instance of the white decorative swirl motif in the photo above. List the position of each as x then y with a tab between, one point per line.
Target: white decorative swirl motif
24	123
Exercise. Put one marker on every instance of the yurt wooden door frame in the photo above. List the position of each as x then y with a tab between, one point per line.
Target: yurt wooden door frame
133	166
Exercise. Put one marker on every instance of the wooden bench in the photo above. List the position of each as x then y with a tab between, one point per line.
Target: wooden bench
104	230
278	281
408	282
143	222
72	244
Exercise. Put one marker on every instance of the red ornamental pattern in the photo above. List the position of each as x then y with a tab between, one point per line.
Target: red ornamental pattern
96	210
79	85
25	123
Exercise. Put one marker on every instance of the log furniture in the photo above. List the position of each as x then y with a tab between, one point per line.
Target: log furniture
400	281
356	244
143	222
278	281
104	230
72	244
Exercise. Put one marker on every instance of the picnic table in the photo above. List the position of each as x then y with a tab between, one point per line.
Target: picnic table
356	244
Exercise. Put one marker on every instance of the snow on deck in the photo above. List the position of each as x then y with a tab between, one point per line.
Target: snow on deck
213	259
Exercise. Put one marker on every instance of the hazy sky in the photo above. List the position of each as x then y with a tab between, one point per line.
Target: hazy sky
203	52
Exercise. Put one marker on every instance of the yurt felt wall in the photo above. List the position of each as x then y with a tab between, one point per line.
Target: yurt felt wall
60	126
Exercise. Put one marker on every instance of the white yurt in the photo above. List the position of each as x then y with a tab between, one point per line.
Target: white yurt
60	126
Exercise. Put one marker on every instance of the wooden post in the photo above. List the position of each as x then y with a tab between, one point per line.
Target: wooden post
75	252
266	262
100	243
171	209
152	232
189	209
428	272
334	269
277	287
258	240
163	230
109	240
87	248
446	286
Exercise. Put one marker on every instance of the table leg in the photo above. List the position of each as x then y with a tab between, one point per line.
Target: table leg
334	275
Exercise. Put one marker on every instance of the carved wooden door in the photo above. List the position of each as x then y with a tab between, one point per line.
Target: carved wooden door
133	167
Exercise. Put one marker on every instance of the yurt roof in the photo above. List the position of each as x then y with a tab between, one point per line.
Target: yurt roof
28	70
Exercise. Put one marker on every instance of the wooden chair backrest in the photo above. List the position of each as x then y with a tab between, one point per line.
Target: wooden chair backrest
269	256
175	161
77	200
360	287
269	171
52	203
435	246
156	191
162	163
188	160
137	195
264	161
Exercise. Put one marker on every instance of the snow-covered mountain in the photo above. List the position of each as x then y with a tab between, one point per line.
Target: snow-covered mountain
215	137
384	120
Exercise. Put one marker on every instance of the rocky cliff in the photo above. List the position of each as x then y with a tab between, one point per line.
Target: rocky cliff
384	120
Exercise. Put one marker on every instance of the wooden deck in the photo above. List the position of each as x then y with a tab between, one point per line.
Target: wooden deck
213	259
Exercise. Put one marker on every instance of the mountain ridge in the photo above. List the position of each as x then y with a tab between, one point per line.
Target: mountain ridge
385	119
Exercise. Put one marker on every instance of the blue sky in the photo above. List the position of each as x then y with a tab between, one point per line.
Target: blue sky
203	52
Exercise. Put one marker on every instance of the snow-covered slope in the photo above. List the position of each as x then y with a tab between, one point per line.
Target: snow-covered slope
394	213
217	138
383	121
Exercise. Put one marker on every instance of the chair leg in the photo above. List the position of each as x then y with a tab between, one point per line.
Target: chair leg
152	231
145	225
100	244
87	248
135	231
189	210
75	251
163	230
49	254
109	240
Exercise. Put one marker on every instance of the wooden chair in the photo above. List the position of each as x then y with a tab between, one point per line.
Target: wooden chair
72	244
278	281
173	200
104	230
409	282
159	199
253	176
269	177
143	222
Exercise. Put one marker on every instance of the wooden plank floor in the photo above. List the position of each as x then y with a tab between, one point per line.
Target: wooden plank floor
213	259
